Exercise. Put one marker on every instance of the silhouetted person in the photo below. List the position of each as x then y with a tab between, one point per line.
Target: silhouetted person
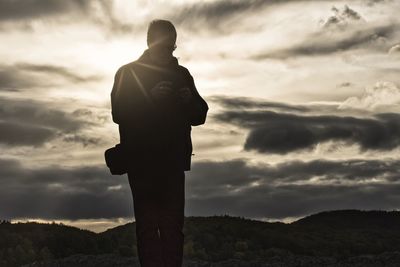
155	102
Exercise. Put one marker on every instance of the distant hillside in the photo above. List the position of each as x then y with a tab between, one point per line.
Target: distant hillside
353	219
324	237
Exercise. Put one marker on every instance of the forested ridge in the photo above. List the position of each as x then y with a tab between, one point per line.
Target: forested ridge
338	234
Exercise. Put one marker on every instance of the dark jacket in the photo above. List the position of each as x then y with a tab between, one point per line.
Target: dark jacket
156	134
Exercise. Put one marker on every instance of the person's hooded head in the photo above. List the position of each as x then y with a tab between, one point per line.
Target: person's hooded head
161	39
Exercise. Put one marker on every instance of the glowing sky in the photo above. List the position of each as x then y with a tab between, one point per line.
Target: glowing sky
304	101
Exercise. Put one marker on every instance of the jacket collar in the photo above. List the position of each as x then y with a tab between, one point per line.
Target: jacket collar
145	58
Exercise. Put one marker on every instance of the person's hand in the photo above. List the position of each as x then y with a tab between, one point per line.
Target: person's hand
162	90
185	95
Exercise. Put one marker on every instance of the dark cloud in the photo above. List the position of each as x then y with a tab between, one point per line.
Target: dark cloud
37	113
272	132
210	177
84	140
214	17
22	76
27	122
342	18
56	70
218	11
217	177
99	116
323	44
200	17
220	17
31	9
24	134
346	29
62	193
374	2
11	79
234	187
279	191
252	103
19	14
345	84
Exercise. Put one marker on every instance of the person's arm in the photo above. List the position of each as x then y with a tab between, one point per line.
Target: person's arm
115	93
196	107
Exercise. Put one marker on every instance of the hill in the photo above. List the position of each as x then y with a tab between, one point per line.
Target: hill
325	238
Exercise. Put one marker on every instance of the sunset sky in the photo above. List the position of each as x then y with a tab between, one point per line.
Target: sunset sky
304	101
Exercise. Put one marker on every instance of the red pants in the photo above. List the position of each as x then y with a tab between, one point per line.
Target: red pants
159	203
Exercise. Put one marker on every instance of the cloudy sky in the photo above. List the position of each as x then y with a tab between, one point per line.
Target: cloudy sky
304	101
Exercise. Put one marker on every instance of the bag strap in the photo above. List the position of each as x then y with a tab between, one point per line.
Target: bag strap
139	83
141	87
